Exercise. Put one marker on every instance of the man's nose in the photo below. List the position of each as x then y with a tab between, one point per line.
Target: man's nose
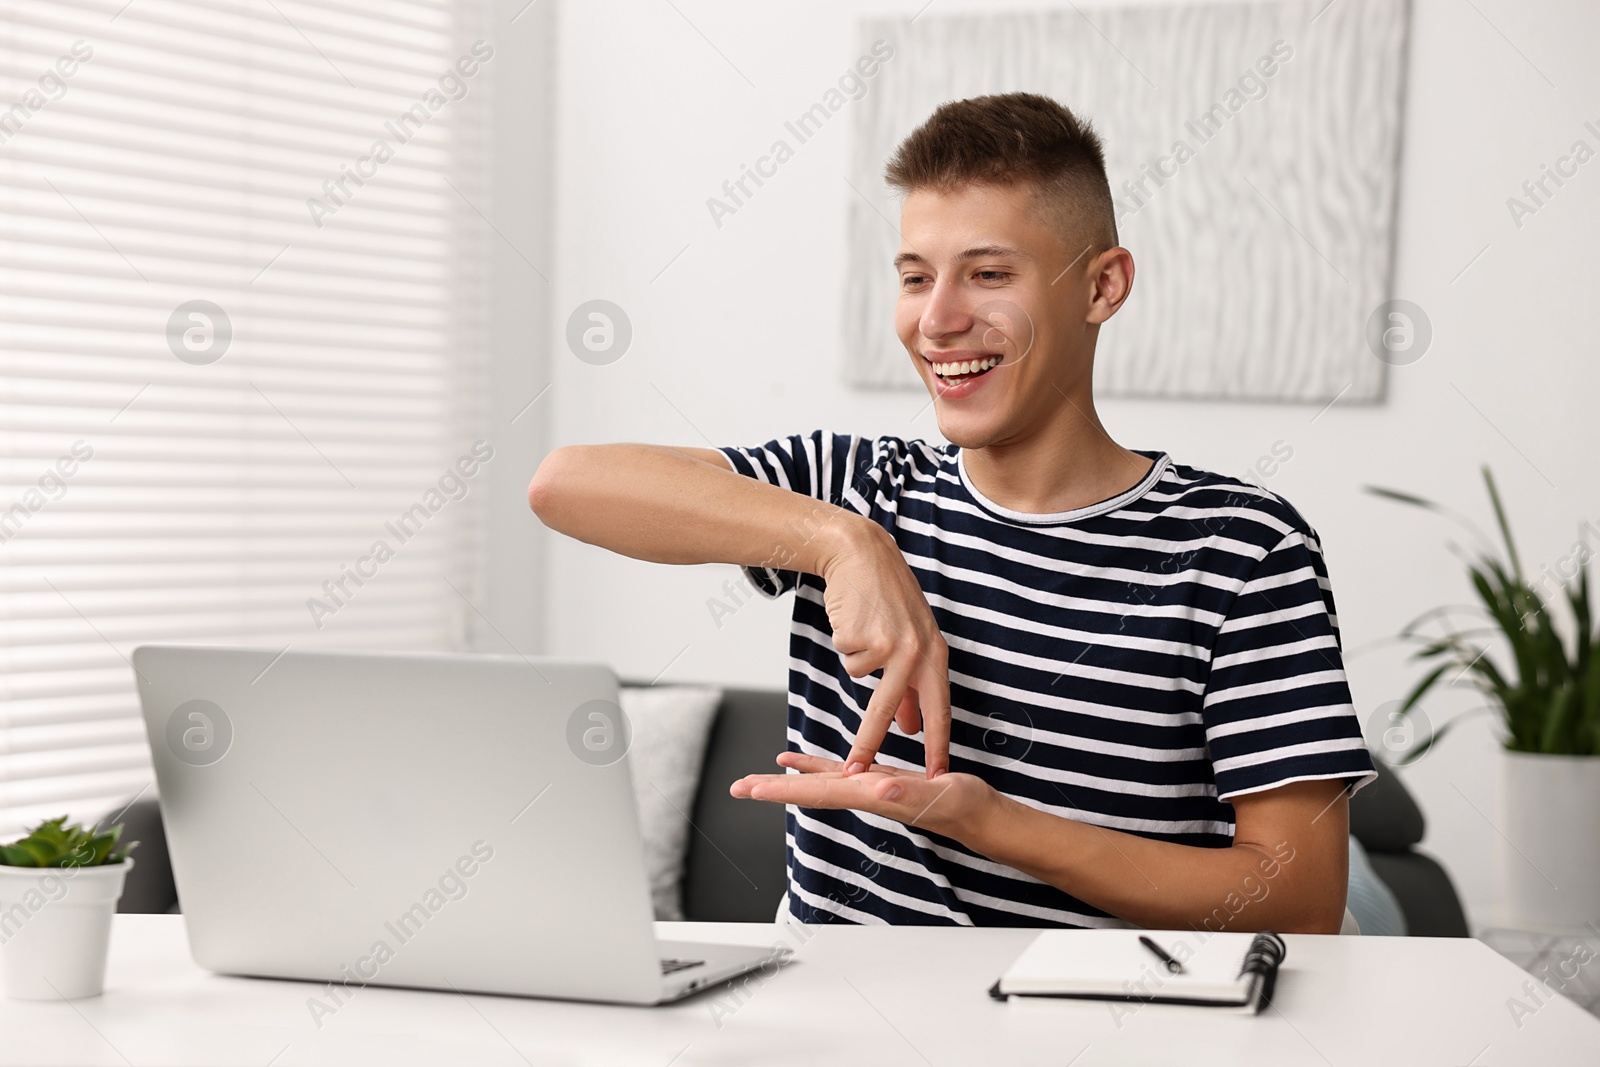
947	312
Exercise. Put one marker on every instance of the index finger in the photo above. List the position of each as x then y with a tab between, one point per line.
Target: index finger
934	695
878	715
806	764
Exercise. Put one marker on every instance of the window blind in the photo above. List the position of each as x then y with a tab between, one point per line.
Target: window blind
240	249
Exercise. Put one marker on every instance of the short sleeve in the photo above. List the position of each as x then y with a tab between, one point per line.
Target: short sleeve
825	466
1277	705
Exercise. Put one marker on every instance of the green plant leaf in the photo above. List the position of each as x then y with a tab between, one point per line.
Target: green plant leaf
1578	601
1421	748
1505	527
1547	656
15	856
1476	663
1589	707
1430	641
1516	635
1422	687
1411	627
1417	501
100	845
55	843
1555	723
1403	498
35	853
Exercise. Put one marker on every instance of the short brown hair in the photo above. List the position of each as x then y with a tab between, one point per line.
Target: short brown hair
1008	139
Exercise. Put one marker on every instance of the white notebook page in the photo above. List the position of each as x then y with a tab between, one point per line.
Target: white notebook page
1114	962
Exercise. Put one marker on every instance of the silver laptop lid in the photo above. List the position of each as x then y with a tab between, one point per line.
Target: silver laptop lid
445	821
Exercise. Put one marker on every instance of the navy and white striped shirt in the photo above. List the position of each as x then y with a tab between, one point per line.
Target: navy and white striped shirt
1130	664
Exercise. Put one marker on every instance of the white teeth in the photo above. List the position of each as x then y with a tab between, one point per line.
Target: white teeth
947	370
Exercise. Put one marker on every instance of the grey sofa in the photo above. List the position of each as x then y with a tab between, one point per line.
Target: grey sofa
734	870
1389	825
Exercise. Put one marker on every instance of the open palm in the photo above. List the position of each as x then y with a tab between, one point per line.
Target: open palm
943	805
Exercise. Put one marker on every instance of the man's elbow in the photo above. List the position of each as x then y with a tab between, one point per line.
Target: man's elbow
550	480
1325	918
1315	926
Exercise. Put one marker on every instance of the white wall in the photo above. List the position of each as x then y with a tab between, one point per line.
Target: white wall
506	616
737	340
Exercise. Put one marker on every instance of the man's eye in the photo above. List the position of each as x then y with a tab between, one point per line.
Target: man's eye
992	275
908	280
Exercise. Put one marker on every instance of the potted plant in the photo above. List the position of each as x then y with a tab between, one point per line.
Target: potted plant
59	887
1546	692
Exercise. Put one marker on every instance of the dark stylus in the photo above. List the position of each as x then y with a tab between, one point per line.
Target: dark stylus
1172	965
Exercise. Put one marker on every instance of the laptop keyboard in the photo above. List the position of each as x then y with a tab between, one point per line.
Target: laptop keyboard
673	966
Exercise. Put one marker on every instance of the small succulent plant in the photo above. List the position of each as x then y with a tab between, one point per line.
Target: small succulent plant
55	844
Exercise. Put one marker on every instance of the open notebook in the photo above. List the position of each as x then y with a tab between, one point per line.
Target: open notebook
1224	970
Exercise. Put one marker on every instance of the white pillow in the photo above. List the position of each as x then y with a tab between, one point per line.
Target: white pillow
670	726
1373	903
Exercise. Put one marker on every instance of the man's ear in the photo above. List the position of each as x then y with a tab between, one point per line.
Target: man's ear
1111	276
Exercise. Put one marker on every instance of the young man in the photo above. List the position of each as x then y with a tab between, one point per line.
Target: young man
1036	678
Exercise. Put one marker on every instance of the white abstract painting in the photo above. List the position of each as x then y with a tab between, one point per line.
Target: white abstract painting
1259	206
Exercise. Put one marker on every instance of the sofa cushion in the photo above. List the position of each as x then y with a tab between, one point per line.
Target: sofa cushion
1375	908
670	725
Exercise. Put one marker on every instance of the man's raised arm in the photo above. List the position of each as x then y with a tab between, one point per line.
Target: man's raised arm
683	505
687	505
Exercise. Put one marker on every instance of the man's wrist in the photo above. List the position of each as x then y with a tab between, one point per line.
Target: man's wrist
981	825
842	535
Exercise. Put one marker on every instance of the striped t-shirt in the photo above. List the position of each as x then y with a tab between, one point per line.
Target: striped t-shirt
1130	664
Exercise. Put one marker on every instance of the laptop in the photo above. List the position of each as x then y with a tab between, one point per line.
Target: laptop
453	822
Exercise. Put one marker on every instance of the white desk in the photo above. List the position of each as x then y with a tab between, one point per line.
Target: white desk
853	995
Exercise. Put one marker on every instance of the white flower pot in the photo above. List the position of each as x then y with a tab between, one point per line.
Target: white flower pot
55	928
1547	858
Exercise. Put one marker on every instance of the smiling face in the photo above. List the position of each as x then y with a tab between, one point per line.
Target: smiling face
998	315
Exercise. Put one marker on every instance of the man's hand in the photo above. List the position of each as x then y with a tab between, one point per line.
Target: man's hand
1286	870
881	620
954	806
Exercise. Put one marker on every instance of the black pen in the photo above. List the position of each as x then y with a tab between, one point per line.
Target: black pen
1173	966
